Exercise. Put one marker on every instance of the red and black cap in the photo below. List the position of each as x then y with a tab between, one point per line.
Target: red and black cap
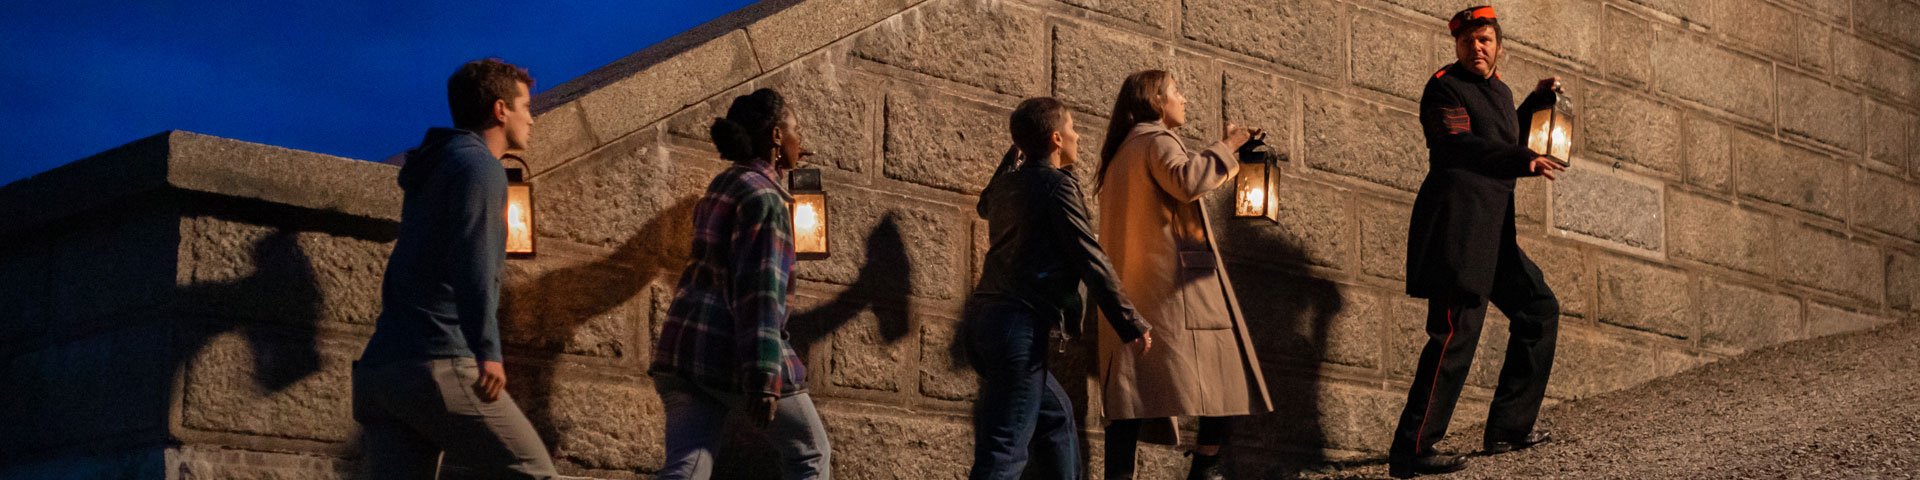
1471	19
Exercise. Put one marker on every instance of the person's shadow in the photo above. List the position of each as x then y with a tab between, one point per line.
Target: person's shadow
282	289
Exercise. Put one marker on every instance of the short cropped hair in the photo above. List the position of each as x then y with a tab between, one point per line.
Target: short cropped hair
472	90
1033	123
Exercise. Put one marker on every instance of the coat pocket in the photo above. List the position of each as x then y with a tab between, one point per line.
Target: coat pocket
1206	305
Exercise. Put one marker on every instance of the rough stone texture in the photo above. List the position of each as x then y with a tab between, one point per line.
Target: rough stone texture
1735	318
1826	260
880	444
1159	14
1256	100
624	106
603	425
1565	29
559	135
573	305
1876	67
864	358
1303	35
1314	227
1720	234
1633	129
985	44
1709	156
1090	63
1641	296
1383	239
1692	11
1818	110
1892	136
1566	271
943	142
274	275
1891	19
1372	143
280	383
631	195
836	108
1783	33
1823	320
1888	204
1392	56
888	247
228	464
1587	363
1608	207
1903	281
805	26
1626	50
1791	176
1687	66
1530	203
943	375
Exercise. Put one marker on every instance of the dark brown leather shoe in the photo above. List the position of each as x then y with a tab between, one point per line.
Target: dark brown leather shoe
1504	446
1427	465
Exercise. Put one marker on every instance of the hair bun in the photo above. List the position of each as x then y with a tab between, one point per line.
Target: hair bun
731	140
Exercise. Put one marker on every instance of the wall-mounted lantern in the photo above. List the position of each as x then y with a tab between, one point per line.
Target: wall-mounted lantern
1253	192
519	210
809	213
1550	129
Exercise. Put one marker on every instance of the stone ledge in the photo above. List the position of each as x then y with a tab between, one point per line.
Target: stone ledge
195	162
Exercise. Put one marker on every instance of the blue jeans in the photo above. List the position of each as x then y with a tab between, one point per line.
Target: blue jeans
695	415
1020	401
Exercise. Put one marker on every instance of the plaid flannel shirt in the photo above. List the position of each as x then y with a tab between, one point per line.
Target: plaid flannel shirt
726	328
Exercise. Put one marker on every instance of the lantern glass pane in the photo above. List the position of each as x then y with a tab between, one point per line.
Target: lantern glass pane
1250	191
1562	148
810	223
519	218
1538	131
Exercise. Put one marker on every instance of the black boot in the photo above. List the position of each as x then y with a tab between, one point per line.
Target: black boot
1430	464
1205	467
1494	446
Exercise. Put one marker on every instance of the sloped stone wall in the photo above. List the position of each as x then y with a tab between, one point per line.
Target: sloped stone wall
188	307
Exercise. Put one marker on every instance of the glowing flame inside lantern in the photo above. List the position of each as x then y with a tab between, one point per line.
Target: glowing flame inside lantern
809	229
519	220
1251	199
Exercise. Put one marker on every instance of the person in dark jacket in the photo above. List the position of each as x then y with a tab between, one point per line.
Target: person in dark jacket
431	379
724	345
1461	254
1042	251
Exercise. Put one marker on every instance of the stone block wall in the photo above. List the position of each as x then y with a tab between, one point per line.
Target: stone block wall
1746	176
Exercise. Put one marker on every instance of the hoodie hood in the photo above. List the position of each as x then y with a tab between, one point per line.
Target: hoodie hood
434	150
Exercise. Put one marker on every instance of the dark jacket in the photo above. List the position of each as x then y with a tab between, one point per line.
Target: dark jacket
442	285
1043	250
1464	213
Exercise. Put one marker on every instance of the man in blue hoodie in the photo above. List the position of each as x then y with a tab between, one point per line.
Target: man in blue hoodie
430	380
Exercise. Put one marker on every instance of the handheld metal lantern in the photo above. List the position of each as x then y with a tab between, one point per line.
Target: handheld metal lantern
519	211
1253	192
1550	129
809	214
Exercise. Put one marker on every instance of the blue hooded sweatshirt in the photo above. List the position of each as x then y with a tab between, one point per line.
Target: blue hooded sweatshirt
442	286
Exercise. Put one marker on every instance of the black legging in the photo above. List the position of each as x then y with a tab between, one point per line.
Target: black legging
1124	435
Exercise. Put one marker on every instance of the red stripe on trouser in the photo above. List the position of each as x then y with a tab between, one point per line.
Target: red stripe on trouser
1419	434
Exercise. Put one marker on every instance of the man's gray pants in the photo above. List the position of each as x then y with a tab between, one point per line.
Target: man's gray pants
412	411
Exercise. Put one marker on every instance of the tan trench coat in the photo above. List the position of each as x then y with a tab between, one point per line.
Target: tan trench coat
1155	229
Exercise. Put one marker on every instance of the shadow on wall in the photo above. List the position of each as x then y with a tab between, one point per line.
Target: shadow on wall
563	307
282	292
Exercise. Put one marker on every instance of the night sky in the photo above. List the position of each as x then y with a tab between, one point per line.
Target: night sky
358	79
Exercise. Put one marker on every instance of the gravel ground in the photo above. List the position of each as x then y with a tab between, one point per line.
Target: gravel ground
1844	407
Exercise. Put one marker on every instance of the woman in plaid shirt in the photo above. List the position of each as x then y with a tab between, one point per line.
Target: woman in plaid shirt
724	345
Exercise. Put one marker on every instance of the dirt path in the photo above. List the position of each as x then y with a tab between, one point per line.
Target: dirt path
1845	407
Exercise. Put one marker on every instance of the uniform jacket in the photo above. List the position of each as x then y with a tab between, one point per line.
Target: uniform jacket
1464	212
1156	230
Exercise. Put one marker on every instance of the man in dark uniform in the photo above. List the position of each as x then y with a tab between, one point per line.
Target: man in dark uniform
1461	254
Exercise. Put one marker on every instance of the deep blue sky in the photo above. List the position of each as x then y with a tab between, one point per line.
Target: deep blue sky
354	78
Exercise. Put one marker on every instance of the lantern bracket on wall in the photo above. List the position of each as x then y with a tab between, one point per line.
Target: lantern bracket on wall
519	211
810	220
1254	194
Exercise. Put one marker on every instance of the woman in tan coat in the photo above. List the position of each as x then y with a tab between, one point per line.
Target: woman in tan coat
1156	231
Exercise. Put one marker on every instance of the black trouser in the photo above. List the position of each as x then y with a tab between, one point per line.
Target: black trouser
1453	330
1123	438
